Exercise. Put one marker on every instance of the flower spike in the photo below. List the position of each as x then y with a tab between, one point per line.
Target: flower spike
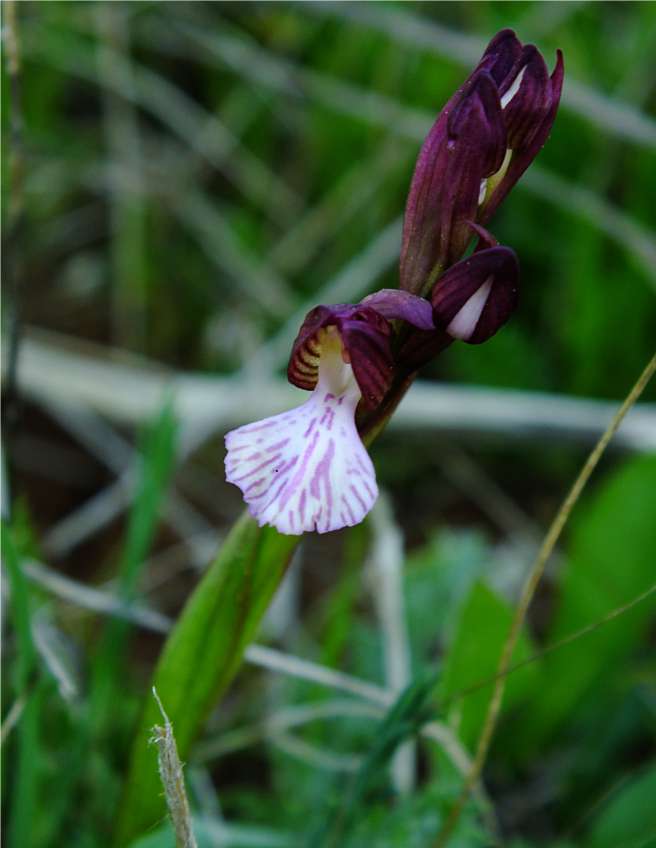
481	143
307	469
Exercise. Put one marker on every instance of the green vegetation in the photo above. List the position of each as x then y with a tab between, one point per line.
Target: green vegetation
181	183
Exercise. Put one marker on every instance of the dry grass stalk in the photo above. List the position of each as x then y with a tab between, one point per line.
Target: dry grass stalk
170	772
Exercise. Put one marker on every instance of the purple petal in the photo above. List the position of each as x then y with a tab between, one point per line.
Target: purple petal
466	144
422	346
365	336
529	115
527	99
395	304
477	296
501	55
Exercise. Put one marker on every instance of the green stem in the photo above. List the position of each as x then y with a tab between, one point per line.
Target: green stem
202	656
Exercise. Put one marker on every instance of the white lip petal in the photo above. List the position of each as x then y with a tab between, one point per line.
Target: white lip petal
306	469
464	322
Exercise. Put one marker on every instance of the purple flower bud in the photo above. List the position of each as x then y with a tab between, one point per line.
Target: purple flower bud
501	55
475	297
482	142
529	101
466	145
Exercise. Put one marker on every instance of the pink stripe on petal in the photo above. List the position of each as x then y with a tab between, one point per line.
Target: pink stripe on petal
306	484
277	446
359	499
351	516
310	427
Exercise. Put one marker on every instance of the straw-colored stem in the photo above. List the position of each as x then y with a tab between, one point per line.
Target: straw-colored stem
170	772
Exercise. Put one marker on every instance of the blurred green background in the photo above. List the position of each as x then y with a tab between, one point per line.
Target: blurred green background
181	183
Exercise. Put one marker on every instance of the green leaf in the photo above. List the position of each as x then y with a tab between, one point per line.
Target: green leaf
629	817
210	833
474	654
610	562
20	611
202	655
25	773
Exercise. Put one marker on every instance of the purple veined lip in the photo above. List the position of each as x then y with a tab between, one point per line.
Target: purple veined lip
307	469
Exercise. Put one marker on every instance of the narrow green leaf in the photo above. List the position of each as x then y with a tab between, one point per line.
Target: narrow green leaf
202	655
20	611
610	561
96	727
629	817
211	833
25	777
474	656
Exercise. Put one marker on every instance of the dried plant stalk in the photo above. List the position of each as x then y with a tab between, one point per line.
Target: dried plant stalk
170	772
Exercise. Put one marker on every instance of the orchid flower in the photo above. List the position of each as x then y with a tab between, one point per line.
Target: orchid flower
307	469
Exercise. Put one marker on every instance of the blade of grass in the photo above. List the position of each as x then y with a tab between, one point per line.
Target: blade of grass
172	777
25	777
528	591
20	611
94	725
13	221
12	718
385	578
